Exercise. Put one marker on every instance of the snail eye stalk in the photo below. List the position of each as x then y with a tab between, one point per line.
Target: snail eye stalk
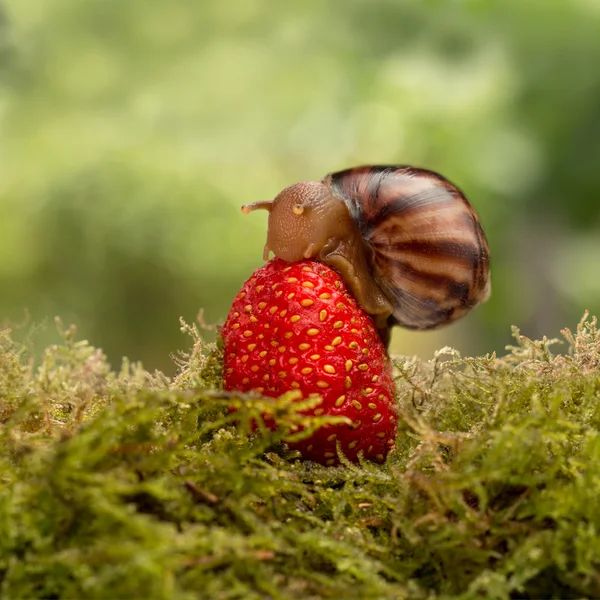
261	205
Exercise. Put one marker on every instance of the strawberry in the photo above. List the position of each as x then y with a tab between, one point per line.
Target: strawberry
296	327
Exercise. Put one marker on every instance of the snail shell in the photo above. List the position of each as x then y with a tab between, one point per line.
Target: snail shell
406	241
431	254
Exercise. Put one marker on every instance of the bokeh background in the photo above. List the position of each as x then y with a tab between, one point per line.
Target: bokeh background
131	132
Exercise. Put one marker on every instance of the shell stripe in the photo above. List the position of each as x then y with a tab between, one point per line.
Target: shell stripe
430	285
438	249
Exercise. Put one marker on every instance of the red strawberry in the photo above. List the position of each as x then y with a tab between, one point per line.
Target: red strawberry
295	326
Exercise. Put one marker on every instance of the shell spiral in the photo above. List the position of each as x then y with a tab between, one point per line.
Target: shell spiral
430	254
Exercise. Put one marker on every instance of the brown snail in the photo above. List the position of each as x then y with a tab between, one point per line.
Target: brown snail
405	240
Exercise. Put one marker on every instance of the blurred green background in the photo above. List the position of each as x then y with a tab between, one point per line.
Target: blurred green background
131	132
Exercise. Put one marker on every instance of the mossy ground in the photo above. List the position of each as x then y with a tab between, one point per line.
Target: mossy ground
130	485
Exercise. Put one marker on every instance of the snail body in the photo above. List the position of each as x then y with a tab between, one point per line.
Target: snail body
405	240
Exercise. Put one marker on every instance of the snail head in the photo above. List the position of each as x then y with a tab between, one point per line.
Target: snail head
302	219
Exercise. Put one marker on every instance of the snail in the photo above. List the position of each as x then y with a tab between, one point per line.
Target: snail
405	240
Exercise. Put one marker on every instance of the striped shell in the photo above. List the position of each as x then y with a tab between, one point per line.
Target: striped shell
431	254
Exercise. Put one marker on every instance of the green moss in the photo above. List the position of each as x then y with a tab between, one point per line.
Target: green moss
127	484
